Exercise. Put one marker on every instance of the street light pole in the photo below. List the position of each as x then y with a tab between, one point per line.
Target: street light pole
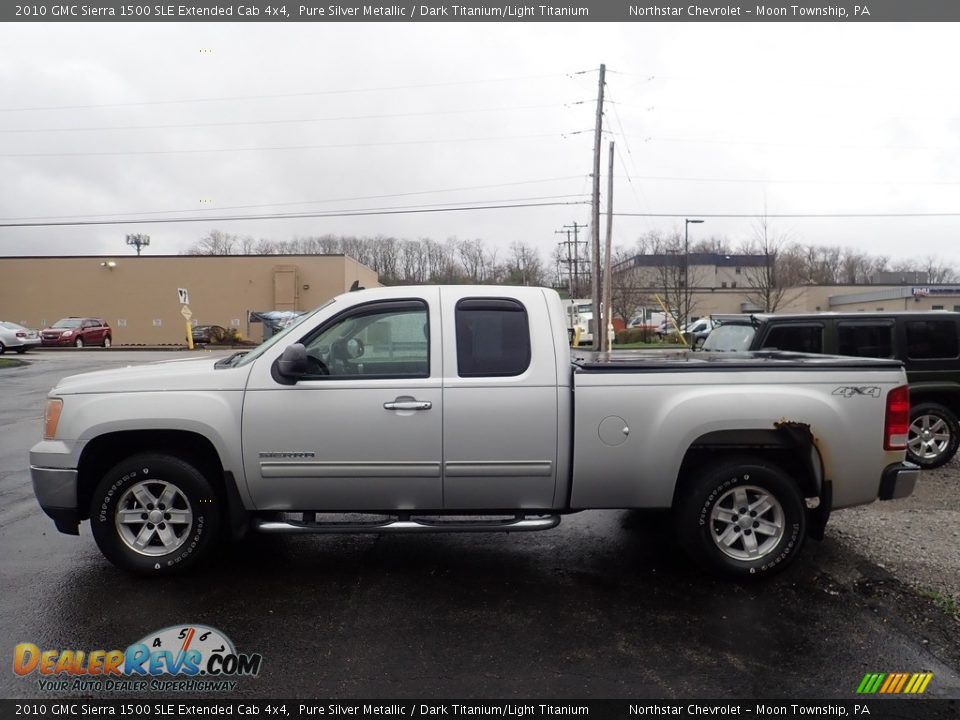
686	266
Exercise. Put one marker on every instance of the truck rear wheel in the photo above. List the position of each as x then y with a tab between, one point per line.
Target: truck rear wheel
743	518
155	514
933	435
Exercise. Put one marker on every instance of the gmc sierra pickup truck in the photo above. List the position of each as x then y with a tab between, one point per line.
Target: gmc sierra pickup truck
451	409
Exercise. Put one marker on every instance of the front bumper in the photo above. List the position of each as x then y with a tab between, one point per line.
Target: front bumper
56	491
898	481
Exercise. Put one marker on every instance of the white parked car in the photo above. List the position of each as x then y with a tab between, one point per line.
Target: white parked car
17	337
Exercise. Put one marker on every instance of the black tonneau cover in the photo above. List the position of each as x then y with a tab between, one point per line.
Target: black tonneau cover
633	361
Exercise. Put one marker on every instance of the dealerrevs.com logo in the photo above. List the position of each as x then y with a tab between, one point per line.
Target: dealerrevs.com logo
185	658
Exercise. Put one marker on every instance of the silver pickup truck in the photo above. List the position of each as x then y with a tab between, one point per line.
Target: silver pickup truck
449	409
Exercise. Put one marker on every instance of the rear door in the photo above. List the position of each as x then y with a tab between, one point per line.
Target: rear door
500	400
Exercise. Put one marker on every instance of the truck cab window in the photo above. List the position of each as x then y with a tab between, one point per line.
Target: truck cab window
493	338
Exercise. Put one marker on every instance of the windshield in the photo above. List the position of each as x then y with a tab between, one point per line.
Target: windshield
67	323
730	338
249	357
12	326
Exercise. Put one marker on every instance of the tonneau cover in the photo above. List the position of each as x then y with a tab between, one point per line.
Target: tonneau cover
689	361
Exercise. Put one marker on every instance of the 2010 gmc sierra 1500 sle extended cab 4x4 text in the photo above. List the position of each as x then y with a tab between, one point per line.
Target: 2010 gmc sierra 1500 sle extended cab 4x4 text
462	409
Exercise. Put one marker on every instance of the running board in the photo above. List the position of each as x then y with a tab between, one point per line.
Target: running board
517	524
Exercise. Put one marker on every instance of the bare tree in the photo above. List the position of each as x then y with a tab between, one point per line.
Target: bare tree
628	291
524	266
215	242
769	285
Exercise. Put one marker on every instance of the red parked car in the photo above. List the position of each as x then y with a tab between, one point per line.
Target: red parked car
77	331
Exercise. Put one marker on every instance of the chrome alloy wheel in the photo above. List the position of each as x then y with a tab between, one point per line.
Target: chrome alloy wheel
154	517
928	436
746	523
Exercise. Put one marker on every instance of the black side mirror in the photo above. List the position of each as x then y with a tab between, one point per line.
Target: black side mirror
293	363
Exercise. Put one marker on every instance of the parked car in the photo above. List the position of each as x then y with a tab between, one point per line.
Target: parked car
77	331
451	409
928	344
17	337
207	334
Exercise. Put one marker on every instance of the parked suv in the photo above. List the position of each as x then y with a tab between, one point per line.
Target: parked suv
928	344
77	331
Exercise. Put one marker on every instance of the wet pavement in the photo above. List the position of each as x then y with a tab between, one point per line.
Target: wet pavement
603	606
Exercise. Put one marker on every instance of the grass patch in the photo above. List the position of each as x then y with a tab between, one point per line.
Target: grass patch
10	362
943	601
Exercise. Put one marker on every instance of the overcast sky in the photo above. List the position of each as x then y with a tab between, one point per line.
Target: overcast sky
186	120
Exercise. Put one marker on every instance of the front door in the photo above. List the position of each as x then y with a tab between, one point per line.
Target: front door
364	431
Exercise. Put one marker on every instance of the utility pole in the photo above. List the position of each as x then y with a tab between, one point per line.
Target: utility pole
599	318
607	277
575	291
567	260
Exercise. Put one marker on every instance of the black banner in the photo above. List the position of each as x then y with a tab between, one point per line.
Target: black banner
480	11
512	709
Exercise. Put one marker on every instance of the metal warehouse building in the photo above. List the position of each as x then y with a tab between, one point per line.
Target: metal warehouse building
138	296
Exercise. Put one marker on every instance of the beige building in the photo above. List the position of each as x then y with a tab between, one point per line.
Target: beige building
138	296
726	283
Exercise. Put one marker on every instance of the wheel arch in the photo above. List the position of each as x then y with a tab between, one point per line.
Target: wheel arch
104	451
789	445
947	395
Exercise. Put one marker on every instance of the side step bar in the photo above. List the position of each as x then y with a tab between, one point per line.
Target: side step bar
521	523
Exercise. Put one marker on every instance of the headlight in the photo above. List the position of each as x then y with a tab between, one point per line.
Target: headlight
68	333
51	416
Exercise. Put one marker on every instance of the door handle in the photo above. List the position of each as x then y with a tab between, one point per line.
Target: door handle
408	405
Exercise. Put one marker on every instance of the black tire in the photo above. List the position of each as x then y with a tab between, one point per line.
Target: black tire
3	348
194	533
940	444
700	532
78	342
107	341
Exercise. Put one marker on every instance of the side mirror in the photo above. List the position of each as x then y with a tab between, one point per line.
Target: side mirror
293	363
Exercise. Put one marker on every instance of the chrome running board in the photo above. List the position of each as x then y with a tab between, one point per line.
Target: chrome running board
520	523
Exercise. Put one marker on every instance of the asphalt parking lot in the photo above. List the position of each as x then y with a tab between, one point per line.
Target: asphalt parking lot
601	607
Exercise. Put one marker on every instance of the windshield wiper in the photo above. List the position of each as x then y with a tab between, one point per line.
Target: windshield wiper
230	360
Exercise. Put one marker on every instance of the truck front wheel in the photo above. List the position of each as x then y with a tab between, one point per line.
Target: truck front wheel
742	518
155	514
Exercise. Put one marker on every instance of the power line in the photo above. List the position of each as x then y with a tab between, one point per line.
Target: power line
116	153
808	181
791	215
307	202
245	123
350	91
294	216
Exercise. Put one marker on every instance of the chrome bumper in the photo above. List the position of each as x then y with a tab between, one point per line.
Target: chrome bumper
898	481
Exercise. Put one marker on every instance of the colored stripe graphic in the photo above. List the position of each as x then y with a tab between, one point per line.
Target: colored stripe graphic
894	683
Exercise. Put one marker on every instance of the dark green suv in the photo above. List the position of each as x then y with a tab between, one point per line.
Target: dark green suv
928	344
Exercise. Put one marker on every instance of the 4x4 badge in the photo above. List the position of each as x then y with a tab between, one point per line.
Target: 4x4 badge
848	391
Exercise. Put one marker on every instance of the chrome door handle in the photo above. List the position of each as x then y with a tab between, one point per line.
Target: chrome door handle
408	405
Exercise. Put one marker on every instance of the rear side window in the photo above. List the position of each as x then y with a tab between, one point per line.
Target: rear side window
493	337
929	339
865	340
795	338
